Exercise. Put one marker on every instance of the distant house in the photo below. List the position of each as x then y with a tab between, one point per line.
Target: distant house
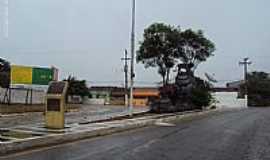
235	84
143	95
116	95
100	94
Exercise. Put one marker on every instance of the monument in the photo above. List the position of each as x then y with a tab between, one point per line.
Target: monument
56	105
177	97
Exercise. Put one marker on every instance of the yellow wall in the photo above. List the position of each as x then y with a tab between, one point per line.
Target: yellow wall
140	102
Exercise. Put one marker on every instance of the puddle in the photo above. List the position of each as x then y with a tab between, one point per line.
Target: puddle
163	124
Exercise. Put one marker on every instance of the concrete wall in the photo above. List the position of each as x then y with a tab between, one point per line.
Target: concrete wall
229	100
94	101
20	108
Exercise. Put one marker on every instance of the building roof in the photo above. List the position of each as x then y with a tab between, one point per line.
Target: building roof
235	84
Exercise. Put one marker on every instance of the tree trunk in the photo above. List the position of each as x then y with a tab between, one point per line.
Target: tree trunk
163	80
168	76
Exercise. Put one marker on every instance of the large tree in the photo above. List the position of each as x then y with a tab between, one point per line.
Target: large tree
158	49
164	46
194	47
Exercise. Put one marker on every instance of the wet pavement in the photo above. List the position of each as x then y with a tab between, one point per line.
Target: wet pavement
241	134
85	113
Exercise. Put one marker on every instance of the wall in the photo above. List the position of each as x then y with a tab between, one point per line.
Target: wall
229	100
19	96
100	101
140	102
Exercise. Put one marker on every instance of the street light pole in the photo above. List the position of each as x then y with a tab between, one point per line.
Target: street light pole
246	63
126	59
132	46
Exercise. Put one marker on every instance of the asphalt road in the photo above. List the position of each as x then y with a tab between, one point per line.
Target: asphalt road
233	135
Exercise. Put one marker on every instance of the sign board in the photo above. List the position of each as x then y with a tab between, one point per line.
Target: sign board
31	75
21	75
53	105
42	76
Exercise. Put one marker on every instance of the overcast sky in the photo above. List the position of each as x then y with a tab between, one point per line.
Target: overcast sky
87	38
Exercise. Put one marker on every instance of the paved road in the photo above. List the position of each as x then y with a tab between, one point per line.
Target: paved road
238	135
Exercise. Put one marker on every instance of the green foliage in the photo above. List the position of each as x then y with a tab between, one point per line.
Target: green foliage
195	48
201	95
4	73
165	46
77	87
259	83
158	48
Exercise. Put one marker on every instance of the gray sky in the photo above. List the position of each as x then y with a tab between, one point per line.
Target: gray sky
87	38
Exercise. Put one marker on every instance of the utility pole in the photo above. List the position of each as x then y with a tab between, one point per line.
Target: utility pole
245	63
126	59
132	73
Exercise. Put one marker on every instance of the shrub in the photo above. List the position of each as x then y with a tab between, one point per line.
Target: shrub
200	94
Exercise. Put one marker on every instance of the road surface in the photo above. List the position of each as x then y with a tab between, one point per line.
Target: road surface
233	135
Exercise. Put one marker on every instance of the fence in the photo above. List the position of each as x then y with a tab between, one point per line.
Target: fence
21	96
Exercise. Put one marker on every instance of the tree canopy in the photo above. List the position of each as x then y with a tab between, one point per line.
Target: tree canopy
158	49
77	87
194	47
258	86
164	46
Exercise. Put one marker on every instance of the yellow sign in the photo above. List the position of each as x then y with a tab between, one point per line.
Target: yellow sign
21	75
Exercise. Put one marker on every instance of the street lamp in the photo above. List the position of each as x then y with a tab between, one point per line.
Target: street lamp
246	62
132	47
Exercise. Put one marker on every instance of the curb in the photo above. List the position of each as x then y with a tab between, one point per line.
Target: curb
121	126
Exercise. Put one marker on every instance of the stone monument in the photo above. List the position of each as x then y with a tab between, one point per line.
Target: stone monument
56	105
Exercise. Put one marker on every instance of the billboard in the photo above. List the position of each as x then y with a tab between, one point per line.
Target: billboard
42	76
21	75
31	75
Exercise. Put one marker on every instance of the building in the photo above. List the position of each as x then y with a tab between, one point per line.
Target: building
143	96
235	84
100	95
116	95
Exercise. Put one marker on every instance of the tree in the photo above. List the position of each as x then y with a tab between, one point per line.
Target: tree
201	93
77	87
164	46
158	49
258	86
258	83
4	73
194	47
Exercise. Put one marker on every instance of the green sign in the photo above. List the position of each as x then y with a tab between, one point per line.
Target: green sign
42	76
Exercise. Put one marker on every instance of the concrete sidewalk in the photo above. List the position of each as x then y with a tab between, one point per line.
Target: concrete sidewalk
84	114
38	136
